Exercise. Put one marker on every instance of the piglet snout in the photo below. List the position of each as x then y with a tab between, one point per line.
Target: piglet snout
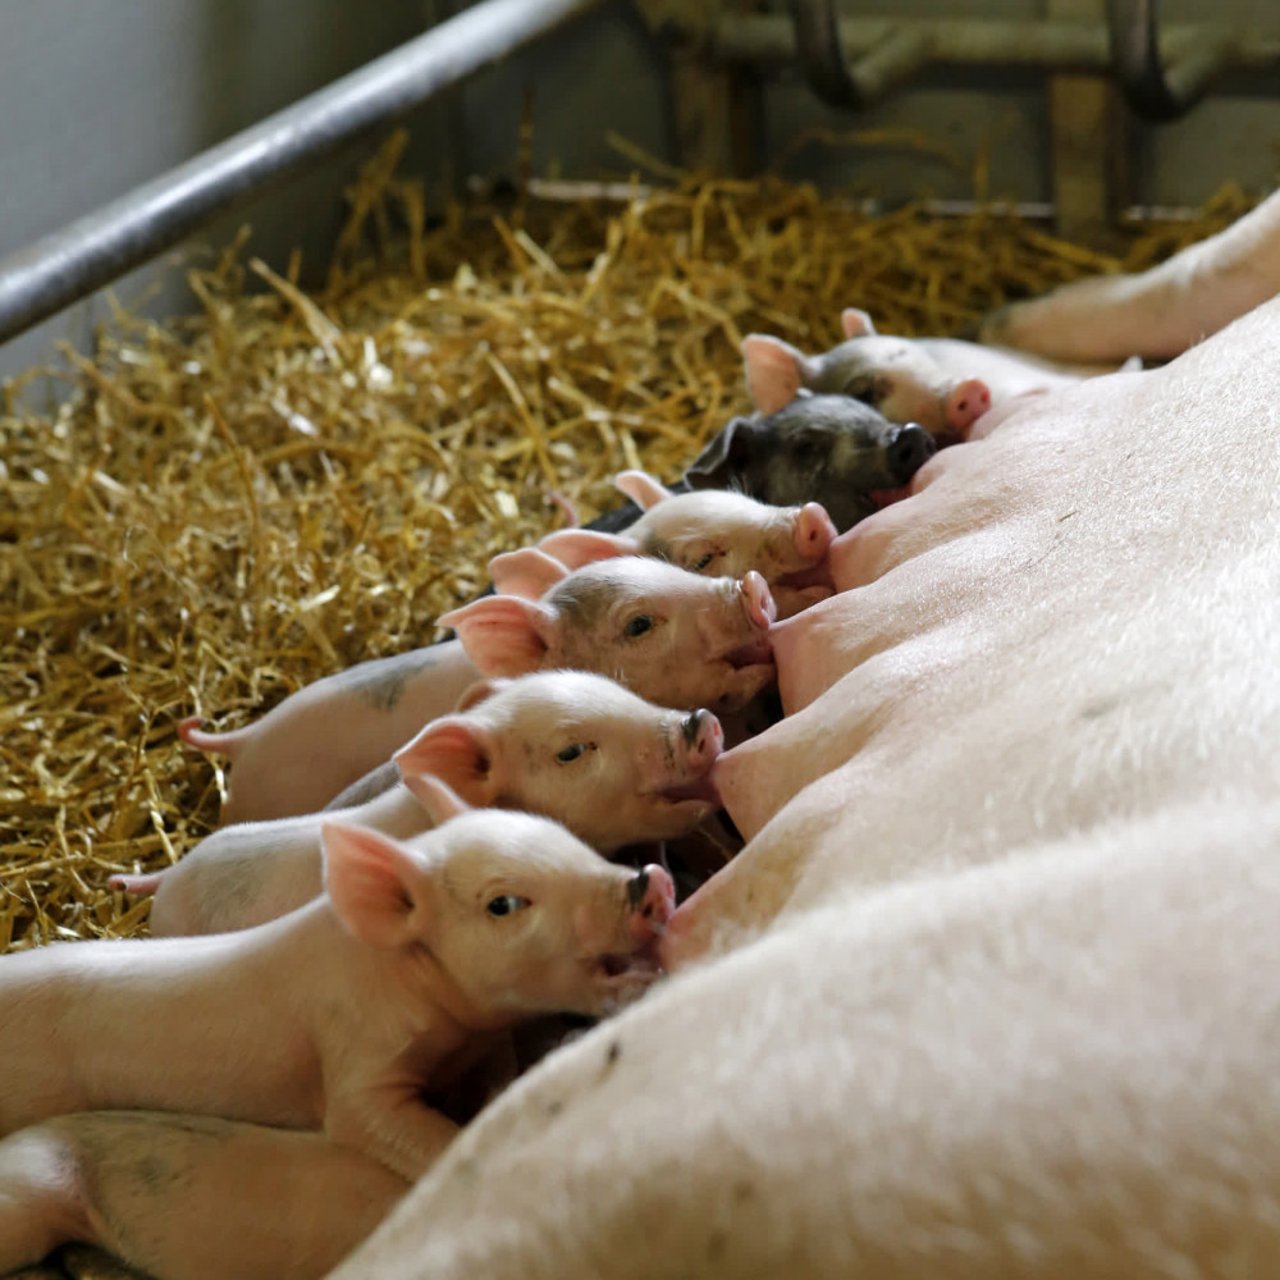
909	448
814	530
966	403
651	894
703	737
758	601
636	890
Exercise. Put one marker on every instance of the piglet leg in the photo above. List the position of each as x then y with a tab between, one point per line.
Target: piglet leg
395	1126
188	1197
39	1205
1160	312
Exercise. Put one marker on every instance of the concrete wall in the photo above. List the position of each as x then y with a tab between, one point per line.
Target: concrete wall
96	97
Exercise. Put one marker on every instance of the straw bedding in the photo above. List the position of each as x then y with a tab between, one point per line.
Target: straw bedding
284	484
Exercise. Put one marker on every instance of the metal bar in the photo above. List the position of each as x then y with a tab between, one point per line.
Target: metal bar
576	189
826	66
1088	147
893	61
63	267
570	190
1156	90
768	40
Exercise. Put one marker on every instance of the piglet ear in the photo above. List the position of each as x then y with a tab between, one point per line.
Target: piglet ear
456	753
856	323
504	635
376	885
576	547
716	465
480	692
641	488
775	371
438	798
529	573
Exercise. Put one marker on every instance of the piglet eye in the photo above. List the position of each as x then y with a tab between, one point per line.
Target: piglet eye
570	753
506	904
865	389
704	561
639	625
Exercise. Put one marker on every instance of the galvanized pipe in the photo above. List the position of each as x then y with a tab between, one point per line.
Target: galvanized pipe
67	265
768	40
827	67
1156	87
979	42
894	61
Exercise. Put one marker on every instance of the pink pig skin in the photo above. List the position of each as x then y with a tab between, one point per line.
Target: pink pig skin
338	1015
321	739
705	645
943	384
574	747
1158	313
231	1199
715	532
671	636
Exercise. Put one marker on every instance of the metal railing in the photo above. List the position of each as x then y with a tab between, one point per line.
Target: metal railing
67	265
856	62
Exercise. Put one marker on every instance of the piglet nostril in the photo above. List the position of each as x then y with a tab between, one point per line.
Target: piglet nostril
653	899
966	402
637	889
761	609
909	449
691	726
814	530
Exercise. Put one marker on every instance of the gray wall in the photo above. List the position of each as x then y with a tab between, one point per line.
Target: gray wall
98	95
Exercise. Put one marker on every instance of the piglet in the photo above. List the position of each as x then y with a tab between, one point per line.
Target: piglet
188	1197
339	1015
326	736
719	533
671	636
943	384
827	449
572	746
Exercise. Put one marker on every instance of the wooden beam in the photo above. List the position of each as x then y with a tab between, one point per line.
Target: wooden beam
1088	156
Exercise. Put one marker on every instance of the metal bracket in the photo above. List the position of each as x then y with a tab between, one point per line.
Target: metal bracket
895	58
1156	91
826	68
